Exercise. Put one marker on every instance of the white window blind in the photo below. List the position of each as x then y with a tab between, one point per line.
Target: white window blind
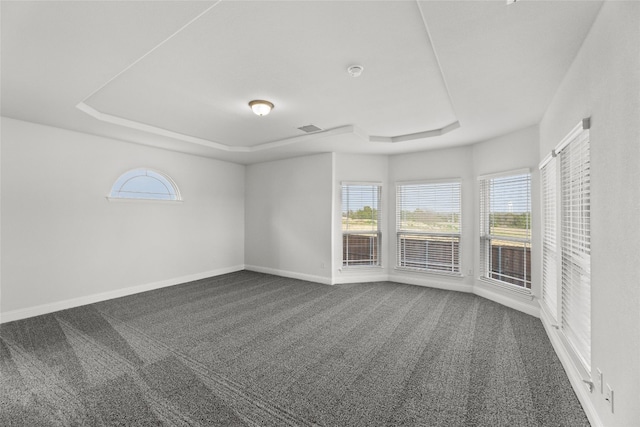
428	224
361	234
575	187
505	228
548	177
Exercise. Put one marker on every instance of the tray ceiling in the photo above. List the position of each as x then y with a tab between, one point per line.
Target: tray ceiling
179	75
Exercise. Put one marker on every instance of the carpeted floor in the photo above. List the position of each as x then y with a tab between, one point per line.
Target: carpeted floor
253	349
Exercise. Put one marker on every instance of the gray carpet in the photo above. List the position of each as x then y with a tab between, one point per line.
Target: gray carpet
259	350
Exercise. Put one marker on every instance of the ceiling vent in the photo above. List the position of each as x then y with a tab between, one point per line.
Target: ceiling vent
310	128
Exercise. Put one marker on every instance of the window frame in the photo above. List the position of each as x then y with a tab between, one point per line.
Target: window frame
574	185
550	244
172	188
374	261
456	268
572	234
485	248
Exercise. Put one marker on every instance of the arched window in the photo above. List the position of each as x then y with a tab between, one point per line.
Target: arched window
144	184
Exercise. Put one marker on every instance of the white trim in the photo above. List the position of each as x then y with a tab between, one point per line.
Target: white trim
516	172
509	301
430	282
509	287
574	133
130	200
334	215
360	274
544	312
358	268
426	272
132	124
38	310
342	130
425	134
378	183
360	278
430	181
575	378
547	159
290	274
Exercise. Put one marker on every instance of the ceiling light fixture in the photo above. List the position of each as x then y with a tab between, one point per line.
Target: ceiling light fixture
261	107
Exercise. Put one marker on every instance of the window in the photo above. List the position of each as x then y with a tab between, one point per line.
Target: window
575	239
428	226
566	271
361	235
505	228
144	184
548	179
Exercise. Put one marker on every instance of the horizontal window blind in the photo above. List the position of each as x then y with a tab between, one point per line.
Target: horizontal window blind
361	216
575	183
549	246
505	229
428	224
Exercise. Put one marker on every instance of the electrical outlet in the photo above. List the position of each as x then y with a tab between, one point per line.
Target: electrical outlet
598	379
322	265
608	397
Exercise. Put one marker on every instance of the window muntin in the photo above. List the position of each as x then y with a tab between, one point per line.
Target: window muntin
505	229
428	225
144	184
361	221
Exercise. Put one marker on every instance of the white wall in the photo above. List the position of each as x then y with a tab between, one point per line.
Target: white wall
604	83
514	151
62	240
288	217
361	168
456	163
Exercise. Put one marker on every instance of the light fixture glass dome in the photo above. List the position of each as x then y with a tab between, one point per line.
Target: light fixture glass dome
261	107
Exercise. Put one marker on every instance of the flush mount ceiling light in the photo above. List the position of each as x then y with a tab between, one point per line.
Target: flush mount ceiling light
355	70
261	107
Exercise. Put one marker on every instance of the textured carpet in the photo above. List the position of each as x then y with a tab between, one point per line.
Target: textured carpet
253	349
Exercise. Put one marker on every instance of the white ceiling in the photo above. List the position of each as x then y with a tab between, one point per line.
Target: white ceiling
179	75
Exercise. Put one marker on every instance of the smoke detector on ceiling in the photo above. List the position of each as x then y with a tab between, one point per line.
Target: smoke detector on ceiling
355	70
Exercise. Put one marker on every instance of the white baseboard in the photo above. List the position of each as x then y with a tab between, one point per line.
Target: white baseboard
521	303
575	378
38	310
290	274
360	275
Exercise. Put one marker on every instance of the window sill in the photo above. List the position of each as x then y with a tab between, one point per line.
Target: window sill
360	267
126	200
423	271
515	289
